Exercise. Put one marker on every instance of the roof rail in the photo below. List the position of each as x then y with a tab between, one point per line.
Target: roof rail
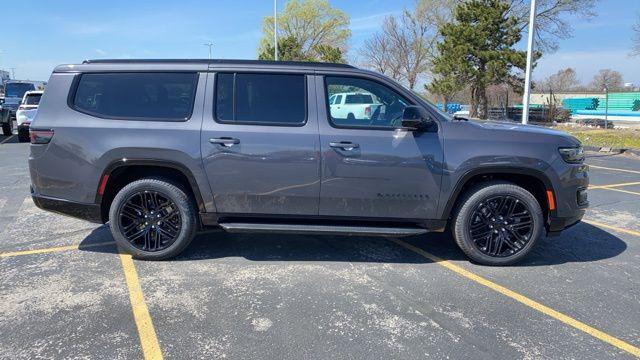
216	62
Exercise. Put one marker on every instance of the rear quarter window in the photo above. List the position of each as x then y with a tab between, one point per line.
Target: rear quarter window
136	96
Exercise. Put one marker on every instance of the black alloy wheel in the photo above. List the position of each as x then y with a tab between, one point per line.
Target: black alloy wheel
501	226
150	221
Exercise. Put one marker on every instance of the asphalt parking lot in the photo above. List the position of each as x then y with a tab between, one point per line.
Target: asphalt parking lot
65	292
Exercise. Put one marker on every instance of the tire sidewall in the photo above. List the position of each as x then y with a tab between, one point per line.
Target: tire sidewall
480	194
172	192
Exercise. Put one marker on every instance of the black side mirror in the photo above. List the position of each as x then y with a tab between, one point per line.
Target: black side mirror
415	118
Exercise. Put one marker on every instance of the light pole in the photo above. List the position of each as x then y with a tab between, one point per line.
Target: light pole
527	76
275	29
606	107
210	45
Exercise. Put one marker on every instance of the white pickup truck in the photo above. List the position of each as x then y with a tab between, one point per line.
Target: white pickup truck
353	105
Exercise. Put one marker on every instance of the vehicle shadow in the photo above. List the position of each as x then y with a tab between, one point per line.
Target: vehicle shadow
581	243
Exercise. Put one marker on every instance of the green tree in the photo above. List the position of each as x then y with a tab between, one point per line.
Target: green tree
321	31
478	50
289	49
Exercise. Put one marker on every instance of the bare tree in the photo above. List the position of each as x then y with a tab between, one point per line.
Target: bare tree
377	53
636	37
607	79
406	45
552	19
563	80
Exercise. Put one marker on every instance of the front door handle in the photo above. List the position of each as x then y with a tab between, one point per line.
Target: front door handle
344	145
225	141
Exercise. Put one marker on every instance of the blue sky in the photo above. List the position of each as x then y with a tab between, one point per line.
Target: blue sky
71	31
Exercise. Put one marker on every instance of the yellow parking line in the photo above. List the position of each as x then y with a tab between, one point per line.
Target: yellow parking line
623	191
146	332
614	185
54	249
599	224
7	139
524	300
614	169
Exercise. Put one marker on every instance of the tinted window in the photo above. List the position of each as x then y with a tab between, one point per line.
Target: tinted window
154	96
261	98
338	99
367	103
33	99
224	97
359	99
18	89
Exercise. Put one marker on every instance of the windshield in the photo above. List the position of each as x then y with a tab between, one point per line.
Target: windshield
18	89
433	106
32	99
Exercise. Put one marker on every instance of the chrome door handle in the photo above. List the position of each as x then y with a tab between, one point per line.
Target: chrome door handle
344	145
225	141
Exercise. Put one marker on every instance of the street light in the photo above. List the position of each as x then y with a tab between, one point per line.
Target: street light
210	45
527	76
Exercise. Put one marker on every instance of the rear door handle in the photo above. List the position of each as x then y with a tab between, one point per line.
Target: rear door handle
225	141
344	145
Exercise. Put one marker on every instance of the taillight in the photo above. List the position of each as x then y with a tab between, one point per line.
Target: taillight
367	111
38	136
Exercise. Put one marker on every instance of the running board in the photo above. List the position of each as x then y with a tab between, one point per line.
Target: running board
321	229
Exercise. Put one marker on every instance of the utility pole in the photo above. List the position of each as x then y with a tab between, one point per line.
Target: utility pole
275	29
527	76
13	73
210	45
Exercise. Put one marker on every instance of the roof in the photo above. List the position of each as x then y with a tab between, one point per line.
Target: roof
218	62
198	65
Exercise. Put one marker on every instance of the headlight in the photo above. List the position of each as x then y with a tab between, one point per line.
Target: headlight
572	155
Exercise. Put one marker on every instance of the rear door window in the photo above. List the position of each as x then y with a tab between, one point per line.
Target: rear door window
137	96
261	99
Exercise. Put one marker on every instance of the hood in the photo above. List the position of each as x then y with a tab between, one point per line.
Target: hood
530	130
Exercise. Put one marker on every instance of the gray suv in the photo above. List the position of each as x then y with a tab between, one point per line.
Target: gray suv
161	149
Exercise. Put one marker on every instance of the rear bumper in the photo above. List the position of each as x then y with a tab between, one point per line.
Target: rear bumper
89	212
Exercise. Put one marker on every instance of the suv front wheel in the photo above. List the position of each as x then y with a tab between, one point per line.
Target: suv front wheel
152	219
498	223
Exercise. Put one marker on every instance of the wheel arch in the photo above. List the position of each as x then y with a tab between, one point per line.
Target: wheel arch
121	172
534	181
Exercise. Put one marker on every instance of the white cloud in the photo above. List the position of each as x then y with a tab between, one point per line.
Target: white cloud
101	52
370	22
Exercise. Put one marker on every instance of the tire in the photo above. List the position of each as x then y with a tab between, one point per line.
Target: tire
182	215
483	211
23	136
7	128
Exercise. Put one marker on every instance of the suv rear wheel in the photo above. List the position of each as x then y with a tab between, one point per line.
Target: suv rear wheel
498	223
153	219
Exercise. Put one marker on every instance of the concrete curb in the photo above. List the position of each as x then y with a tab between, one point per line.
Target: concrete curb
612	150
